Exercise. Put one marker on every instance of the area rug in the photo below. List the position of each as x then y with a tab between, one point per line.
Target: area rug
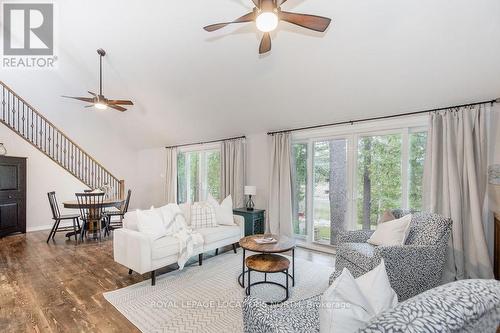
208	298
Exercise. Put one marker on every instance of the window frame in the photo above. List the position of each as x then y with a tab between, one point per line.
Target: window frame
203	150
351	133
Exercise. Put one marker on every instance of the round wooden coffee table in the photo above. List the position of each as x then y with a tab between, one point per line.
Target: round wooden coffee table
283	244
268	263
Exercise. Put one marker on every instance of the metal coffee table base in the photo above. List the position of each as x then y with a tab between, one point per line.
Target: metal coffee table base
247	289
241	277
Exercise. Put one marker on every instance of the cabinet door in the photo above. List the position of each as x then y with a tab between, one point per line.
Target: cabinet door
12	195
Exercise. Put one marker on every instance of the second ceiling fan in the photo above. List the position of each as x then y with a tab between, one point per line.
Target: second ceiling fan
99	101
267	14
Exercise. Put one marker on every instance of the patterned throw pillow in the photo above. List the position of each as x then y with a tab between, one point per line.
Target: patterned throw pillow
203	215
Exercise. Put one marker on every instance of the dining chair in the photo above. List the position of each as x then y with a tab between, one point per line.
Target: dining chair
91	213
57	217
121	212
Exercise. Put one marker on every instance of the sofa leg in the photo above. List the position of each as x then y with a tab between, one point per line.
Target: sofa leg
234	247
200	259
153	278
129	271
217	251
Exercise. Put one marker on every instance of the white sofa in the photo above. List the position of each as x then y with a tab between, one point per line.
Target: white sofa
138	253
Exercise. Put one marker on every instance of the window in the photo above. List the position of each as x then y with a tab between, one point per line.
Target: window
347	181
198	173
378	174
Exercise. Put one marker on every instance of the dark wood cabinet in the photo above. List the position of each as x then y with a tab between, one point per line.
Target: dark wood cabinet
12	195
254	220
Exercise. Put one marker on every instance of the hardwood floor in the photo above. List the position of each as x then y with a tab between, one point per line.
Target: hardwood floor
57	287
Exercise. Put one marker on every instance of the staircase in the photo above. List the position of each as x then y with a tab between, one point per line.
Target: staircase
32	126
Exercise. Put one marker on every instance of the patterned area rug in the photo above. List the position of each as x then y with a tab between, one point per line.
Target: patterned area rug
208	298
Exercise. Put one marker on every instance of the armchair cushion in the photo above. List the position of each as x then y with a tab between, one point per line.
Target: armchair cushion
360	254
354	236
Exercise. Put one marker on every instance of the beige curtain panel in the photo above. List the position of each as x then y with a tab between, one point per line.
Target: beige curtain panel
171	176
455	177
280	186
233	170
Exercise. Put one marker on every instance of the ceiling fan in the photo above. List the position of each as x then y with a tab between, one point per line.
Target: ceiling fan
267	14
99	101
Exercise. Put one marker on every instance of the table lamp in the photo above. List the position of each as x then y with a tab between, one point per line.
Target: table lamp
250	190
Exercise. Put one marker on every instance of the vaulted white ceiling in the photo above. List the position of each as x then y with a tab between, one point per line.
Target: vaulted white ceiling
378	57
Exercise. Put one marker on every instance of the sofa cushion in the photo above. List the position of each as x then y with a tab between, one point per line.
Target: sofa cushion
130	221
212	235
359	254
186	211
164	247
150	223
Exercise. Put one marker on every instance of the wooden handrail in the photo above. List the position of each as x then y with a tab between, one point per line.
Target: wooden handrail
42	134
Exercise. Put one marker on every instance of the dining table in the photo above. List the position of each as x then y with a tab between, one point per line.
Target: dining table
107	203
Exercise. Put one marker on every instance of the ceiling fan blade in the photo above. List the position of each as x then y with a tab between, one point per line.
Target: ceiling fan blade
83	99
265	43
313	22
119	101
245	18
117	107
93	94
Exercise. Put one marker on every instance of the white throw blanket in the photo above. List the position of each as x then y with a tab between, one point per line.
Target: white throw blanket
176	226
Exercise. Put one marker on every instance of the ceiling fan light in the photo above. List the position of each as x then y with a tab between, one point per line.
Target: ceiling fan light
267	21
100	106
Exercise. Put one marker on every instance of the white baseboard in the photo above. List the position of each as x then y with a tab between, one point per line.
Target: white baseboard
39	228
47	227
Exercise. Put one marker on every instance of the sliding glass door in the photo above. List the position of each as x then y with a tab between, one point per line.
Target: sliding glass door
344	183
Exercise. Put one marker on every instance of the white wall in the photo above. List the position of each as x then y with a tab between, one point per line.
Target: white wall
43	175
258	166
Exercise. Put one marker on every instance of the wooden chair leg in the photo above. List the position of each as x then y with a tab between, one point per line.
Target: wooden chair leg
76	232
52	230
55	229
82	232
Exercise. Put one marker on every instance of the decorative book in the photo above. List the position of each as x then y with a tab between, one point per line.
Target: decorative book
266	240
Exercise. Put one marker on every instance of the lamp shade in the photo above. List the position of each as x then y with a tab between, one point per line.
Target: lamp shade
494	187
250	190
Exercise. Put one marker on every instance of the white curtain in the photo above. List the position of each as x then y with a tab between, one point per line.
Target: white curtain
171	176
280	186
233	170
455	176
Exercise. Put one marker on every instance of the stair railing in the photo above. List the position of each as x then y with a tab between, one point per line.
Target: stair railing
32	126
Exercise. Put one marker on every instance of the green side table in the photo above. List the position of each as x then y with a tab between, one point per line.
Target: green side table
254	220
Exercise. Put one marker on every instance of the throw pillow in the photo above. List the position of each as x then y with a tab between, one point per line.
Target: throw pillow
349	304
224	211
376	287
203	215
386	217
391	233
168	214
150	223
186	211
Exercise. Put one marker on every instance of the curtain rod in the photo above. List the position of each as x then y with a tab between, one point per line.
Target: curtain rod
351	122
205	142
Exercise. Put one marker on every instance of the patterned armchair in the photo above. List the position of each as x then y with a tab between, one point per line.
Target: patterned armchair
412	268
